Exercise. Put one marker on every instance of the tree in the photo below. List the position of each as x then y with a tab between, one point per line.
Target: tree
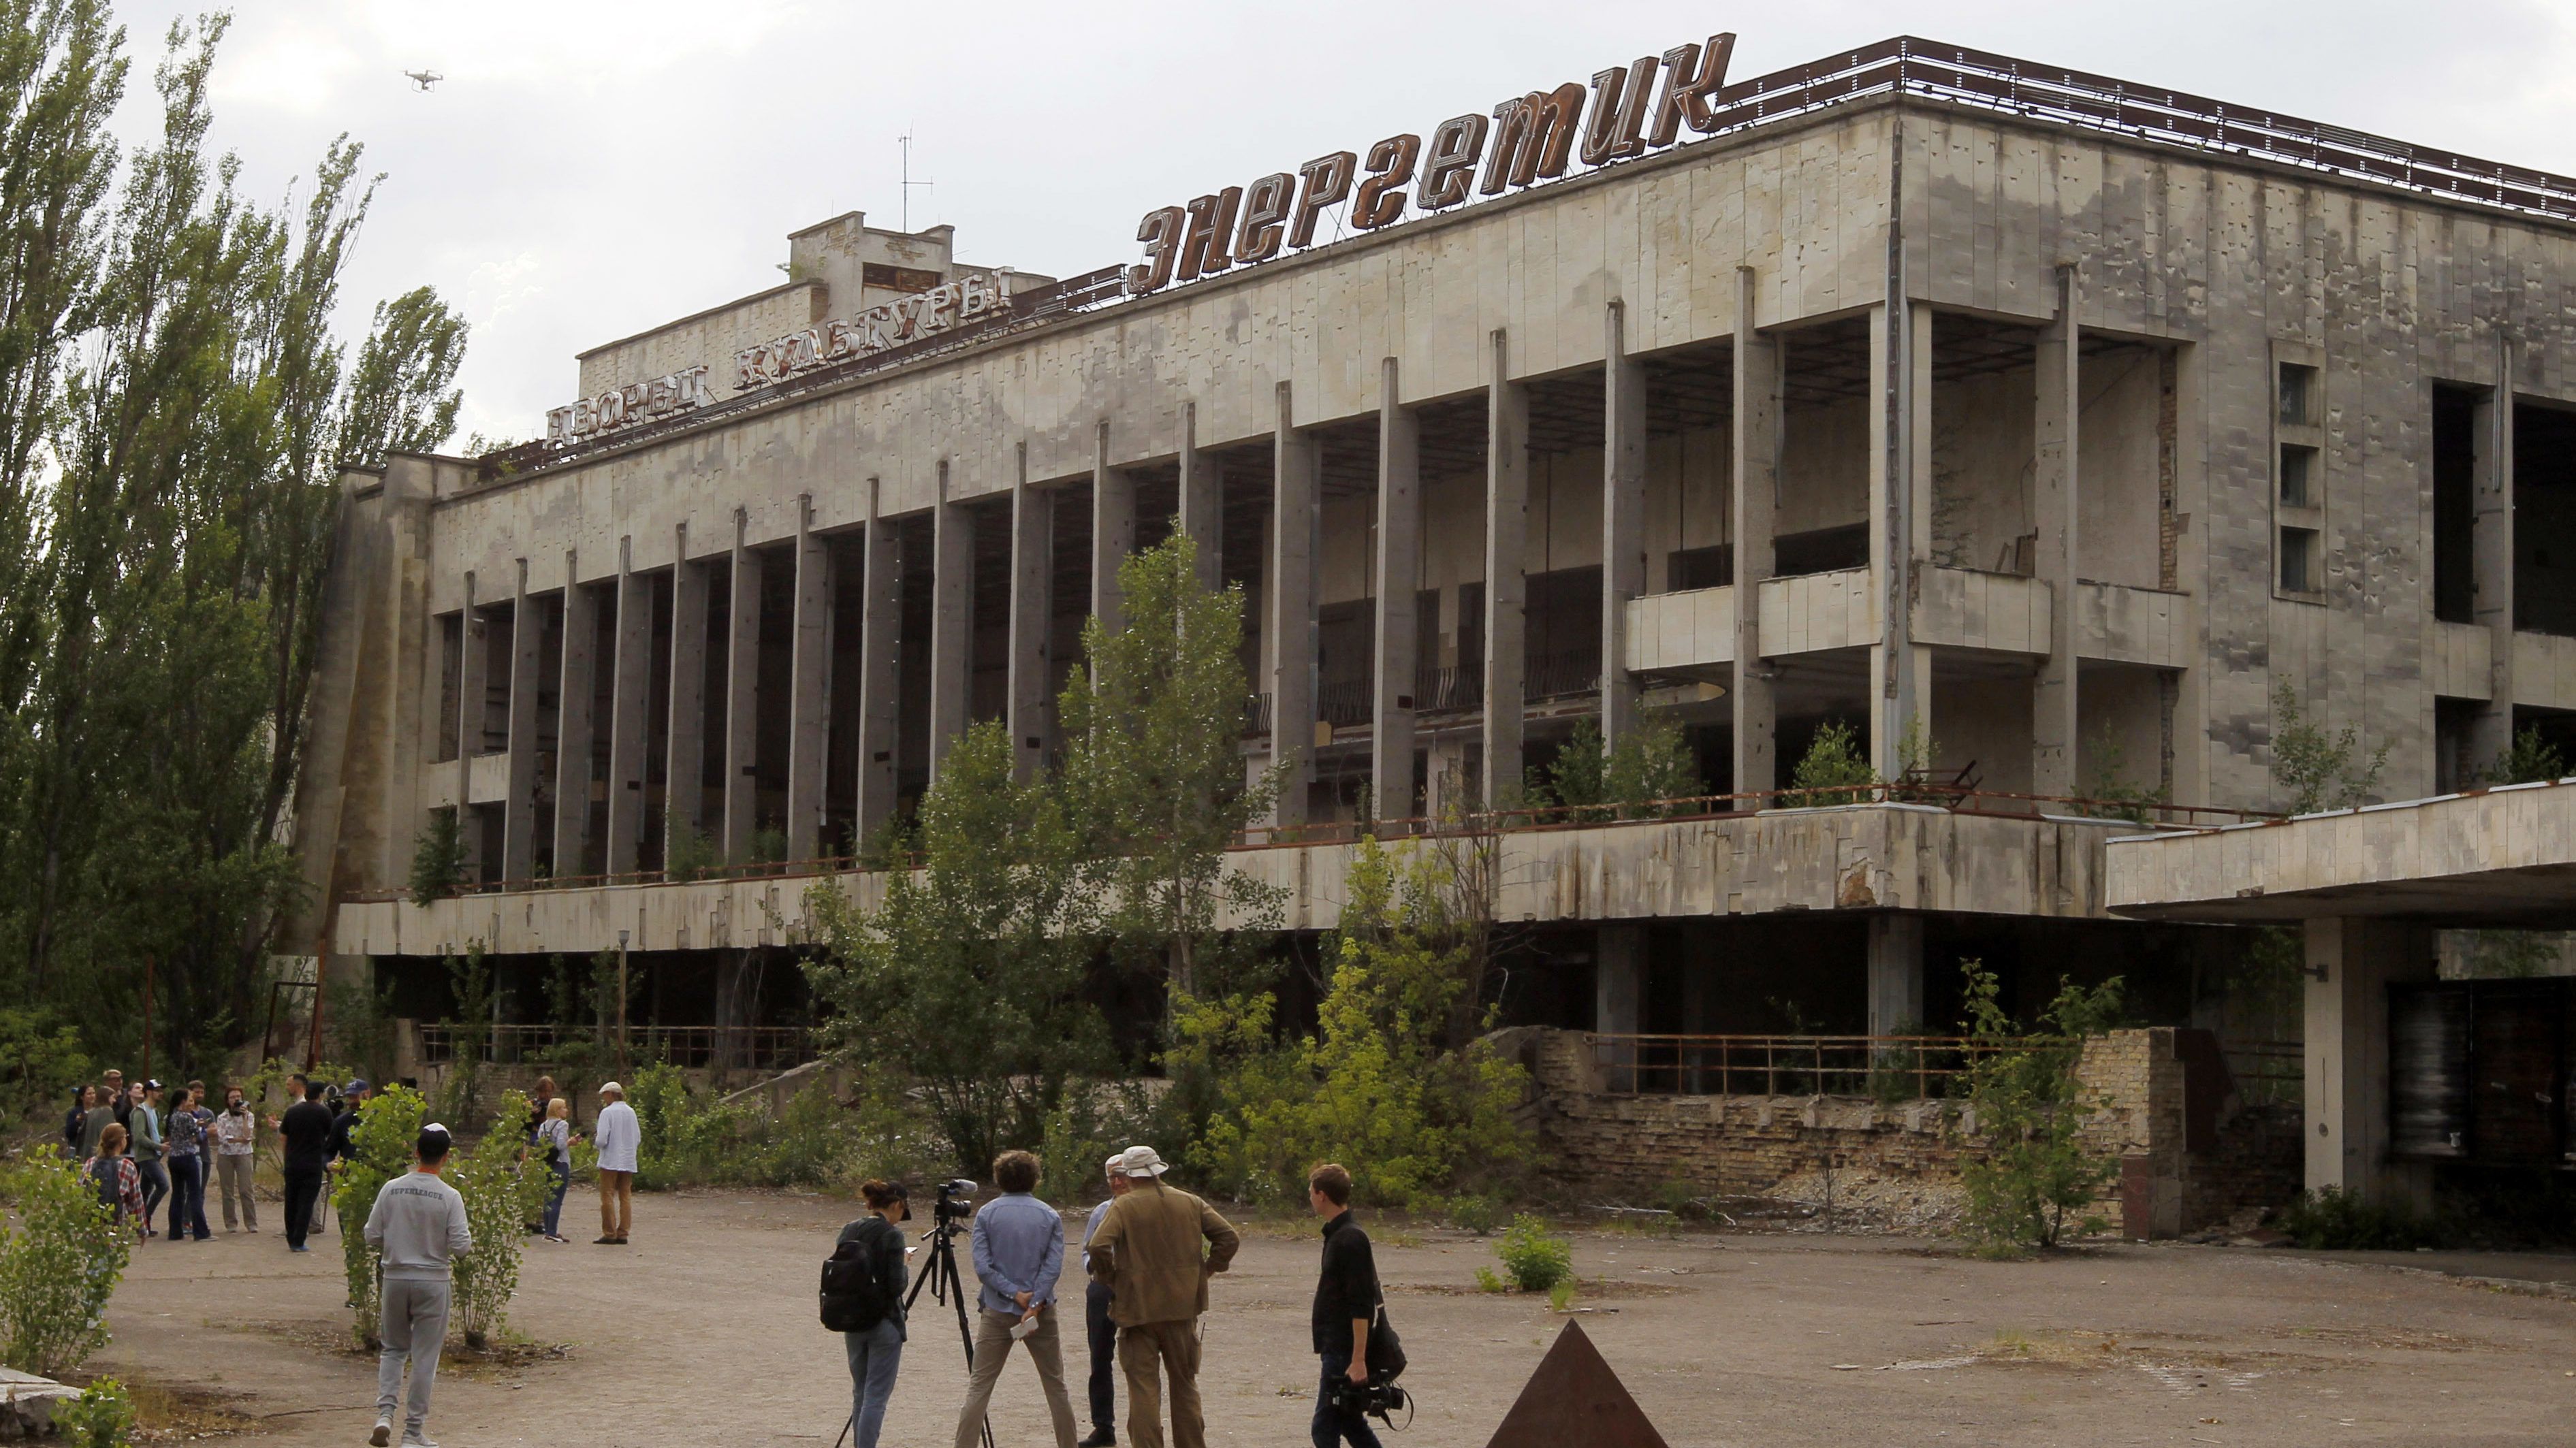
1652	763
401	399
1153	777
437	858
2530	759
966	978
2030	1106
1835	770
2320	772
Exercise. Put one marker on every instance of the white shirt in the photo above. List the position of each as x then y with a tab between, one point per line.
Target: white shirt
617	1136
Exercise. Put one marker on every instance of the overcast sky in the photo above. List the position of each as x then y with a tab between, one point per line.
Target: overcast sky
588	170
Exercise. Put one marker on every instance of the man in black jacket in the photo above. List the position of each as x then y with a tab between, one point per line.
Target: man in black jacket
306	1130
1346	1297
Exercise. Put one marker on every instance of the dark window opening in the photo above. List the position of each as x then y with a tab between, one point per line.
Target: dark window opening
1824	550
2455	468
1709	567
2544	518
2299	570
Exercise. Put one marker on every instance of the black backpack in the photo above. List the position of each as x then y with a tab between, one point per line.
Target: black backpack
853	1297
1385	1349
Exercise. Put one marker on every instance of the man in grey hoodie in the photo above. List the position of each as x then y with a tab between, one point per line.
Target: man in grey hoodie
418	1225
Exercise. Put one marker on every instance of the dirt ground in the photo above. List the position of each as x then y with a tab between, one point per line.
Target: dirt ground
703	1332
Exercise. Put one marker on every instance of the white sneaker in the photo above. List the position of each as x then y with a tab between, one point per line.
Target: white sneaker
384	1433
411	1441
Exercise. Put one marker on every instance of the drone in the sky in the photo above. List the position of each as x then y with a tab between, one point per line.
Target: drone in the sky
424	79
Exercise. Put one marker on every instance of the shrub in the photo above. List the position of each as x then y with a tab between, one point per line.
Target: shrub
504	1189
1534	1260
387	1126
101	1417
437	859
1473	1212
59	1264
40	1060
1561	1296
2320	772
2031	1107
2333	1219
1652	762
690	854
691	1138
1486	1281
1835	770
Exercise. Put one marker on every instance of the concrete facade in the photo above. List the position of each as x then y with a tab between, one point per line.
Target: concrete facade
2052	449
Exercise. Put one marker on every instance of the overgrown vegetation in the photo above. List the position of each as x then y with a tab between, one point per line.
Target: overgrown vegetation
61	1256
1534	1259
1834	770
1385	1085
2331	1218
387	1127
1600	782
437	859
102	1416
2031	1107
2320	771
175	408
2530	759
693	1138
2106	781
505	1188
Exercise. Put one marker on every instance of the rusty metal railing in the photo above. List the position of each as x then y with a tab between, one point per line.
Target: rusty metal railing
1889	1068
755	1048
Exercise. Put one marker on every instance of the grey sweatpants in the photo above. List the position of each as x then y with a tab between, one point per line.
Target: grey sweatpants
415	1312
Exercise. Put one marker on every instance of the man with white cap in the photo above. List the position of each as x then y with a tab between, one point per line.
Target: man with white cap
1146	1251
1097	1326
418	1225
618	1135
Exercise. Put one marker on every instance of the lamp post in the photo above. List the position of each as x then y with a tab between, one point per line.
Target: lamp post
621	1003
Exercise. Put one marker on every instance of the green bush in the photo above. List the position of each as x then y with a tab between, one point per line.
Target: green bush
1835	770
437	859
1683	1198
1486	1281
2333	1219
692	1138
1474	1212
1534	1260
2031	1107
60	1259
690	854
40	1061
101	1417
504	1188
388	1124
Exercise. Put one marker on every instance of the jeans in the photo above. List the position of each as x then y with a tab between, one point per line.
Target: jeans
1104	1355
188	1197
874	1355
232	1183
303	1183
156	1186
1331	1427
413	1326
554	1201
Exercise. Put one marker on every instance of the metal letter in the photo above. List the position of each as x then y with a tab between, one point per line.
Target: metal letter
1161	233
1203	248
1619	97
1264	213
1536	135
1693	75
1456	143
1381	198
1327	184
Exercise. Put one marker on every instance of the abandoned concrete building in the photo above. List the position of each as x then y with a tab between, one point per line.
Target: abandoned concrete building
2041	428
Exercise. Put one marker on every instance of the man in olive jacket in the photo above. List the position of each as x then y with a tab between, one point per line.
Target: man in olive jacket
1146	1252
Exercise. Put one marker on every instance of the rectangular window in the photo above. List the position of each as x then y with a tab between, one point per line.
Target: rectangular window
2298	472
2299	572
2298	395
897	278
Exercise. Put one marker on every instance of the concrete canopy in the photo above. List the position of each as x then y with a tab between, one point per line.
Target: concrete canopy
2498	858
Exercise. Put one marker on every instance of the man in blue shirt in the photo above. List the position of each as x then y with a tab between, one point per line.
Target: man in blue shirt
1097	1326
1019	1251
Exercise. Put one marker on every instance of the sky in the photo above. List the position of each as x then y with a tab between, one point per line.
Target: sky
588	170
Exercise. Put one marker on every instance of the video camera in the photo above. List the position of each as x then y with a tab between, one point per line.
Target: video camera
956	1200
1378	1400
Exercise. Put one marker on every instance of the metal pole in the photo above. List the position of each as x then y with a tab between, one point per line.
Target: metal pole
621	1003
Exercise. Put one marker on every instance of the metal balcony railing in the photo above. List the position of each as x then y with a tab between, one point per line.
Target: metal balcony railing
752	1048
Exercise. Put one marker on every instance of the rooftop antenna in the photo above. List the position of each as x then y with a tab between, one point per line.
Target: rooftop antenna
905	141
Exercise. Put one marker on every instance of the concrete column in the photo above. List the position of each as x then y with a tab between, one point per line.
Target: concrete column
1900	374
2491	733
1202	502
1506	585
684	775
952	622
631	690
2350	965
880	656
742	702
1623	520
519	813
1618	1000
2053	743
810	689
1399	571
1295	516
1754	498
573	723
1895	974
1113	531
1032	601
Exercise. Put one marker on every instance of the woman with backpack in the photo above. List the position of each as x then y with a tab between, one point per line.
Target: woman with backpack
863	1301
113	1176
555	1136
83	1098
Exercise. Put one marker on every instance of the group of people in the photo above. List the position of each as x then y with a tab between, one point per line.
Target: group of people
143	1150
1148	1251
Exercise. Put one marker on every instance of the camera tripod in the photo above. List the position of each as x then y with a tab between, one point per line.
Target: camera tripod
945	1284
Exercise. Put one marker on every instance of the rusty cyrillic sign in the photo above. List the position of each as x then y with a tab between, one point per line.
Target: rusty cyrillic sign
618	407
1528	139
964	299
